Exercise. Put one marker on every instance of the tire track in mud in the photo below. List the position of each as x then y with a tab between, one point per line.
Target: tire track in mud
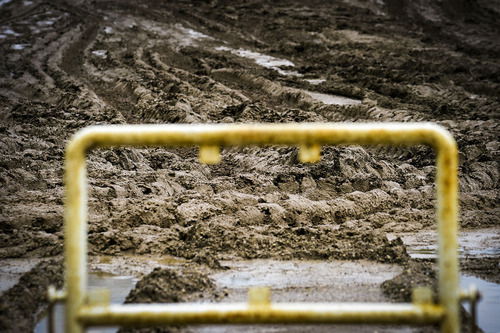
190	98
71	69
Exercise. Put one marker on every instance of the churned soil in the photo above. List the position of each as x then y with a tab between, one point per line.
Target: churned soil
65	65
417	274
486	268
22	303
165	285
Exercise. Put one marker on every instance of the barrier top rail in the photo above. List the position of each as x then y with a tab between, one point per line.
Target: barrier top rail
81	311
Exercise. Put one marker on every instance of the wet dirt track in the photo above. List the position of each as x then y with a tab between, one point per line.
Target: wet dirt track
67	65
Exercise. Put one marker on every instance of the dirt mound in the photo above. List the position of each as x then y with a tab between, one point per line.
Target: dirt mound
486	268
297	242
415	274
21	304
170	286
420	274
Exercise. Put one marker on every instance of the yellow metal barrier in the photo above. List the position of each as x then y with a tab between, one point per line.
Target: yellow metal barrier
82	310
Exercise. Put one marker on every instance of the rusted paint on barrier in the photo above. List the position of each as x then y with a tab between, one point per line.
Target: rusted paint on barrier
79	314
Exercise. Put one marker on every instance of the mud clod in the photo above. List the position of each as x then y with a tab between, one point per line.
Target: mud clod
415	274
170	286
21	305
486	268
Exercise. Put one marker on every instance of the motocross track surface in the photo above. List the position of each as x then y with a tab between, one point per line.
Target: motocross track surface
68	65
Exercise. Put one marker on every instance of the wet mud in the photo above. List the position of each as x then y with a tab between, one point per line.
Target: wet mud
486	268
66	65
472	243
165	285
23	303
423	274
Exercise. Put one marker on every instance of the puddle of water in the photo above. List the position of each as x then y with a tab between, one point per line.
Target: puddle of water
9	31
106	263
133	265
12	269
178	34
488	309
119	286
472	243
19	47
193	34
263	60
315	81
170	260
313	280
306	281
45	23
8	281
332	99
100	53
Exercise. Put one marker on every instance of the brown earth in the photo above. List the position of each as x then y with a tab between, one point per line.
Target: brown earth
22	303
169	286
486	268
417	274
67	65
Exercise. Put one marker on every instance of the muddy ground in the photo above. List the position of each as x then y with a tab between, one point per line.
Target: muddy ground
67	65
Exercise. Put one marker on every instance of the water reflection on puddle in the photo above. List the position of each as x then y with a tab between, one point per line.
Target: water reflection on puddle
332	99
472	243
306	280
489	307
263	60
315	81
119	286
315	280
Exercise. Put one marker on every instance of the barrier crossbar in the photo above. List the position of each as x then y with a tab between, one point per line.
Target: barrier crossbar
82	312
